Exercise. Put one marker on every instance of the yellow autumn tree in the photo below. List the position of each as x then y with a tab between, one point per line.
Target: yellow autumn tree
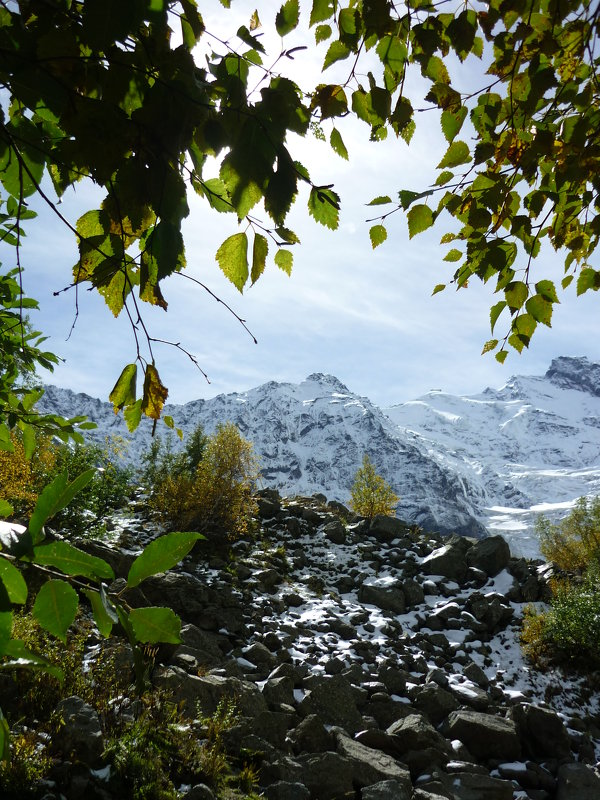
218	496
371	494
22	478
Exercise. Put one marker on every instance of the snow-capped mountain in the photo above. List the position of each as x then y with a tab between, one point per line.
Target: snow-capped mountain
532	446
458	463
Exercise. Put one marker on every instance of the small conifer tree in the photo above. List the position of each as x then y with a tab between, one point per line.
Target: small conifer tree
371	494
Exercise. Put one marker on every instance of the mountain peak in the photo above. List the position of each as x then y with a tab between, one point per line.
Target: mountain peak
329	381
581	374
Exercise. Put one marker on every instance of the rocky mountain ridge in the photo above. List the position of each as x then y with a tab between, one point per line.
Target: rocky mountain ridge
368	661
489	461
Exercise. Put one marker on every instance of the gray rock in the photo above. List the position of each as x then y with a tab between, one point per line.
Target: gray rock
386	790
326	775
81	733
435	702
542	732
387	598
491	555
201	695
414	732
577	782
335	532
199	792
448	561
333	700
279	690
284	790
385	529
485	736
472	786
310	736
370	766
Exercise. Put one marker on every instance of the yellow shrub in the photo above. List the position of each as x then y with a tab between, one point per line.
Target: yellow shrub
21	479
219	494
371	495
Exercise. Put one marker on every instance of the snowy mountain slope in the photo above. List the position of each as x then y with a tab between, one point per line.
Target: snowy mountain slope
532	446
458	463
311	437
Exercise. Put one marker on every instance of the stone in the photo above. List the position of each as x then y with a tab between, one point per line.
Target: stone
385	529
335	532
81	733
491	555
387	598
327	776
284	790
202	694
577	782
368	765
542	732
414	732
435	702
485	735
448	561
333	700
199	792
279	690
386	790
310	736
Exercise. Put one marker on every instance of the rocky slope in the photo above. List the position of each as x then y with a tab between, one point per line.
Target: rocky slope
368	662
493	460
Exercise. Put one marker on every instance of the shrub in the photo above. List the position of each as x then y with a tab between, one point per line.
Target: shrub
574	542
210	485
569	631
22	479
371	495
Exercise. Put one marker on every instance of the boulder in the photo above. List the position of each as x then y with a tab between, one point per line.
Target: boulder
81	734
577	782
448	561
385	529
327	776
484	735
542	732
333	700
491	555
386	790
370	766
387	598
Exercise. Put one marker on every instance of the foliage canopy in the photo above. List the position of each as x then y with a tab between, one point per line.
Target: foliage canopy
116	93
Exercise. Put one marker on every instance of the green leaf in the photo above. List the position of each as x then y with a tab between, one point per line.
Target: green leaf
287	17
452	122
72	561
55	607
260	250
495	312
443	177
516	293
324	206
378	235
420	217
438	288
453	255
321	10
284	260
56	496
104	613
540	309
380	201
161	554
19	656
322	33
547	290
588	279
458	153
501	356
13	581
123	392
491	344
5	508
155	624
133	415
337	144
287	235
232	257
337	51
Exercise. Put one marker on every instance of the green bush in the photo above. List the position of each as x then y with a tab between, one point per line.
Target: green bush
569	630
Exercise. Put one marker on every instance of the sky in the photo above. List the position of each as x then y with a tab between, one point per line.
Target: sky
366	316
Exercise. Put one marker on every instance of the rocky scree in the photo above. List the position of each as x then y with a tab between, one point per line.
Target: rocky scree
367	660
